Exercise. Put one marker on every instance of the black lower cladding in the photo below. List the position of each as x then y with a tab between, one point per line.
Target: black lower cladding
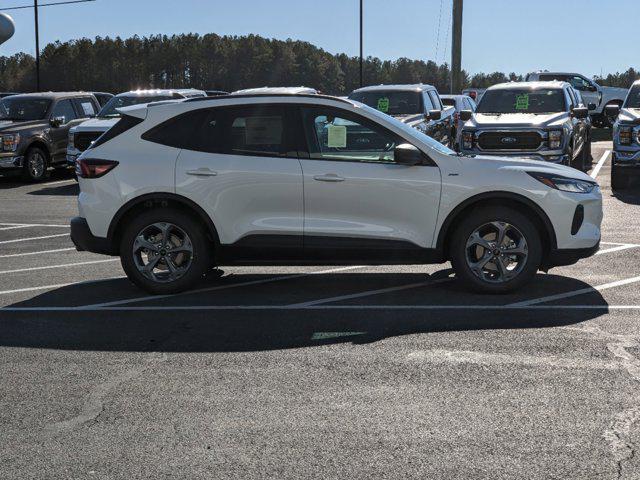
569	256
578	218
85	241
626	166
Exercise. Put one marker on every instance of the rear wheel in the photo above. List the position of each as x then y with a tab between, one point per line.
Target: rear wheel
35	165
165	251
496	250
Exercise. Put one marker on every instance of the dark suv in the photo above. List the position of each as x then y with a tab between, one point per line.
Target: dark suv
34	130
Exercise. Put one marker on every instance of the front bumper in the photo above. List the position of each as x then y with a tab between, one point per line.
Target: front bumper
569	256
627	159
11	162
85	241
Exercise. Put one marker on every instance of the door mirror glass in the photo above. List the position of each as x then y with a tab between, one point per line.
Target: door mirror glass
407	154
57	122
465	115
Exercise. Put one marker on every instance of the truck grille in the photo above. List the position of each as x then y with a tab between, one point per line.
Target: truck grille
509	140
83	140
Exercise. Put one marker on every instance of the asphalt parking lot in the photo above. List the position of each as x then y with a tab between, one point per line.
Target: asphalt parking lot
336	372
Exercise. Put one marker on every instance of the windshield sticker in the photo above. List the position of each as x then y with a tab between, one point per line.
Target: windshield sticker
522	102
383	104
336	136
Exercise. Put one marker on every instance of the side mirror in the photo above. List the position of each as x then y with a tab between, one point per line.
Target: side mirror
592	106
592	88
465	115
56	122
434	115
612	111
407	154
580	112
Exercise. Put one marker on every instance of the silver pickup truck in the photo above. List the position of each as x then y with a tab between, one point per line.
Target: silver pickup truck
625	160
594	95
544	121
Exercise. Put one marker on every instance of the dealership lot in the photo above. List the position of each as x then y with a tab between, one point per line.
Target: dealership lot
338	371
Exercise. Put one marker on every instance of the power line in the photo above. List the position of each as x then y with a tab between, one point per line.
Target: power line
20	7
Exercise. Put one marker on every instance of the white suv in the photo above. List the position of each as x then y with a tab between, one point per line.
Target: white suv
177	188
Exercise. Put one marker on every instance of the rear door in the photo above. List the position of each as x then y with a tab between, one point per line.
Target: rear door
240	166
357	199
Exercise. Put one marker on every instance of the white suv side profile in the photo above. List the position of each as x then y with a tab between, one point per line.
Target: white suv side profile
177	188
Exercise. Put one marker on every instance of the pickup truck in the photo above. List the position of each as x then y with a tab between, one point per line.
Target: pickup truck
594	95
544	121
625	160
417	105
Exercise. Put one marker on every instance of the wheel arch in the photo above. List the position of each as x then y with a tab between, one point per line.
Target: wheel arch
516	201
38	143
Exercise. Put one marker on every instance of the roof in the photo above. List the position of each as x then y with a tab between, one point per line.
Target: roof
531	85
161	92
53	95
416	87
455	96
276	90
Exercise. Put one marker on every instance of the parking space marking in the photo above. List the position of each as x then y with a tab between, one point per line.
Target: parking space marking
600	163
17	240
65	265
59	182
575	293
368	293
620	247
219	287
14	227
41	252
52	287
4	224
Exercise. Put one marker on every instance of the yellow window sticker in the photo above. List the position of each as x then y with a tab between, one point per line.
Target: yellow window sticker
383	104
337	136
522	102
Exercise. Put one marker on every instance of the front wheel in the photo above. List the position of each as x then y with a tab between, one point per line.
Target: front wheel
35	165
165	251
496	250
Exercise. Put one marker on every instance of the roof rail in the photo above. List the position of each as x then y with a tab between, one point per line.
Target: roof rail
258	95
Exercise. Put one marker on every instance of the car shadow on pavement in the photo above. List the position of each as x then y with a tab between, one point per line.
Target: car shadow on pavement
60	190
269	326
629	196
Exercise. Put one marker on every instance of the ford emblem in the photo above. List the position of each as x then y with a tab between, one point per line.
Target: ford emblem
509	140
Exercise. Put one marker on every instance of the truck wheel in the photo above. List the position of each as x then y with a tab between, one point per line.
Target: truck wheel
496	250
165	251
619	181
35	165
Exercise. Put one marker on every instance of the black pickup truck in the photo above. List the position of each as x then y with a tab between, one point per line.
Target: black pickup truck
416	105
34	130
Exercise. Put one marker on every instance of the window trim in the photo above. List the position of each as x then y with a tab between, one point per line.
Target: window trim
73	107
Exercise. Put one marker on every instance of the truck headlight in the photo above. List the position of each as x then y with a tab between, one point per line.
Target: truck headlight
565	184
467	140
624	135
71	143
555	139
10	142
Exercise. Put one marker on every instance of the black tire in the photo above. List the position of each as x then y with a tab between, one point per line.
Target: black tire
619	181
201	257
35	165
582	162
480	217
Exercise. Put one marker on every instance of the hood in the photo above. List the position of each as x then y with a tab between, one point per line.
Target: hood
13	126
410	119
529	166
96	125
629	115
541	120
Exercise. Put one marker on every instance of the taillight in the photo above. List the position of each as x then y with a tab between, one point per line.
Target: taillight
94	168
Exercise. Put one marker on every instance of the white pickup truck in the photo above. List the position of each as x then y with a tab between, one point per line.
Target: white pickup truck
594	95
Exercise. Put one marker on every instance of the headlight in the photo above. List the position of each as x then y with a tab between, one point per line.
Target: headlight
71	143
555	139
624	135
10	142
467	140
564	184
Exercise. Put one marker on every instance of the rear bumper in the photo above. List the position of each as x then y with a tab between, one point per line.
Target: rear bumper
85	241
561	257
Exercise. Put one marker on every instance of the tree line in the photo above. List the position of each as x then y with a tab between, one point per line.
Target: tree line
224	63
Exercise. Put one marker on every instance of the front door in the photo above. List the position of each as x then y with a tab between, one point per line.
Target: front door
356	197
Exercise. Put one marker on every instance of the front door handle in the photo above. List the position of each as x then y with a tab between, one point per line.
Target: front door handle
202	172
329	177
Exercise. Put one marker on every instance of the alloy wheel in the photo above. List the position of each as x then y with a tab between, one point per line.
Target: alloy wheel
36	165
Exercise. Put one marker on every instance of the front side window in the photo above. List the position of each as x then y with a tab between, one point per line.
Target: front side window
24	109
391	102
523	100
435	100
633	98
64	111
333	134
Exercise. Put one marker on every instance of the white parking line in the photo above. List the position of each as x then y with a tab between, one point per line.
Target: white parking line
32	225
219	287
53	287
66	265
575	293
600	163
41	252
59	182
617	249
4	242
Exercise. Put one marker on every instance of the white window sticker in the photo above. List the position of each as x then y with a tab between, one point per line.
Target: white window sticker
263	131
88	108
337	136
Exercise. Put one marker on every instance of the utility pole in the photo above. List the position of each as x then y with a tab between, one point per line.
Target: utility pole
361	45
35	16
456	48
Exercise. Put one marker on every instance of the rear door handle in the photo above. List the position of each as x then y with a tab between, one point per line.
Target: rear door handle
329	177
202	172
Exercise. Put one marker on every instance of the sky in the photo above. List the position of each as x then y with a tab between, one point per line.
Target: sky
586	36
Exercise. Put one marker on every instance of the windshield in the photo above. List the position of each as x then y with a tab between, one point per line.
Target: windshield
391	102
24	109
633	99
525	100
109	110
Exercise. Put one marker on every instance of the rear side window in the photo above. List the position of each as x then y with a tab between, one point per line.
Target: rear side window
125	123
85	107
256	131
190	131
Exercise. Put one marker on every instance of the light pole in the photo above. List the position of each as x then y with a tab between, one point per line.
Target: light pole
361	45
456	48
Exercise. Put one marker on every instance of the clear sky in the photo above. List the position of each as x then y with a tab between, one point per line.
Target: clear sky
588	36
